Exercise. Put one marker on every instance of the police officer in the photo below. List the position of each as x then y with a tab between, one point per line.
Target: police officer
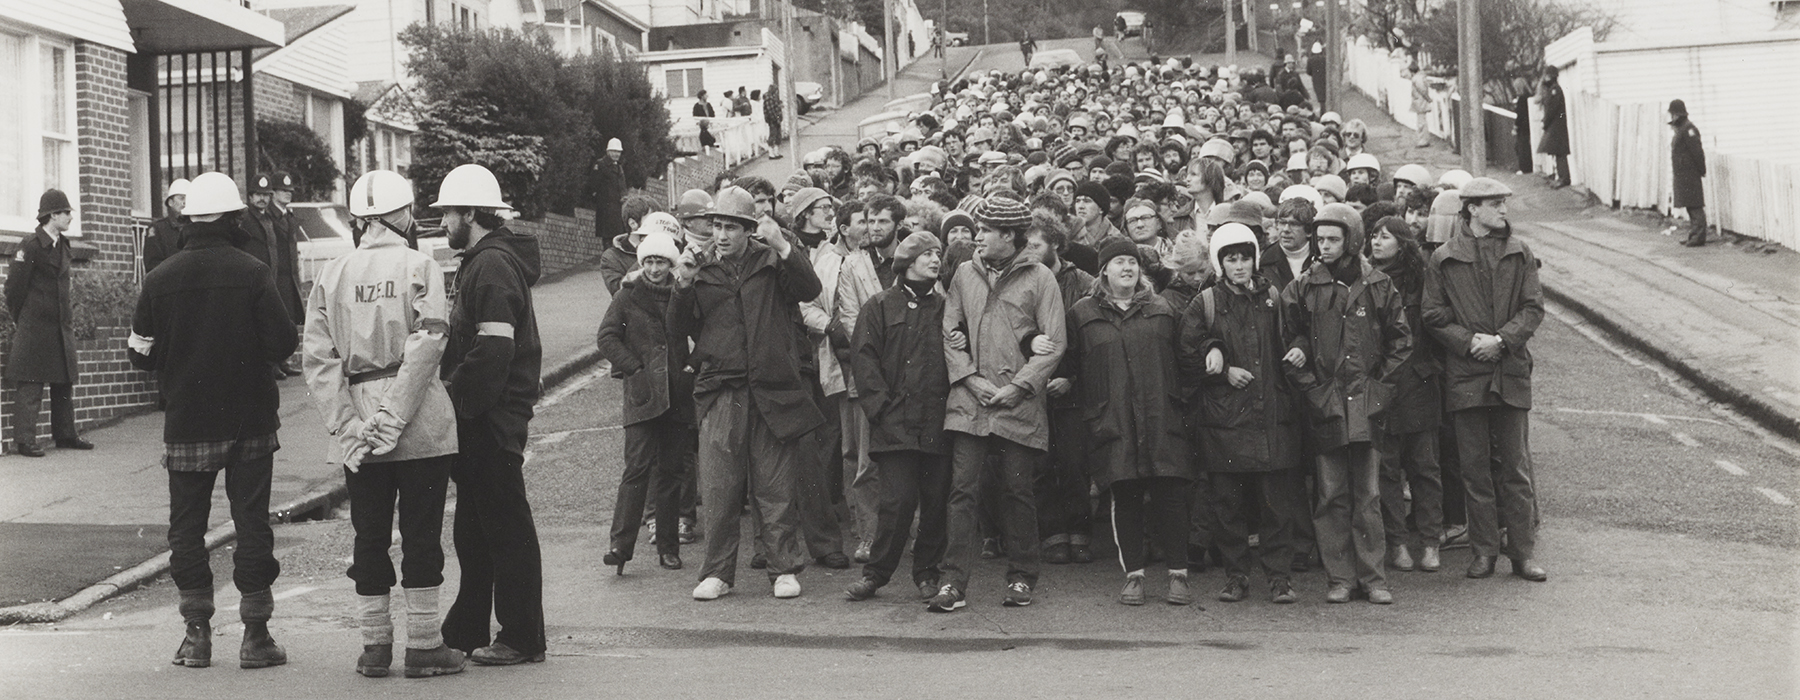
493	366
375	334
269	234
165	233
43	344
1689	160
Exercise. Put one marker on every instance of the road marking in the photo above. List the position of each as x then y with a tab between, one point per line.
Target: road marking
573	385
1776	496
561	435
1730	468
284	595
1685	439
1655	418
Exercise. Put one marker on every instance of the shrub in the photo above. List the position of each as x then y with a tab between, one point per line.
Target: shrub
302	153
101	299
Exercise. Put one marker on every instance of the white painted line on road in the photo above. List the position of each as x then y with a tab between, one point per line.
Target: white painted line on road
1776	496
573	385
1685	439
1730	468
561	435
284	595
1655	418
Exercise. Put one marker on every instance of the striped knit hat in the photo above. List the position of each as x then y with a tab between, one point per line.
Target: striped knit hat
1002	212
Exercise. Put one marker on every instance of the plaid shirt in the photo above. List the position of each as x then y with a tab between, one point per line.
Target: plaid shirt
214	456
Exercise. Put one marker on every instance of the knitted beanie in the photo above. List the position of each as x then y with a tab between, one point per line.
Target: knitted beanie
1002	212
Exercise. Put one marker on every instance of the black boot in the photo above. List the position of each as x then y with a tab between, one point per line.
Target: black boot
196	610
259	650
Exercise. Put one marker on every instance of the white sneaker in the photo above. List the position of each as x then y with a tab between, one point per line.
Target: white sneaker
711	589
787	586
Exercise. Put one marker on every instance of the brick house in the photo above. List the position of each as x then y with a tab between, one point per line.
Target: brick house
108	101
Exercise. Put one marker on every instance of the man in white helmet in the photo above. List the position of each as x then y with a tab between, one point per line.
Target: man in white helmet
375	333
492	367
609	192
211	324
164	238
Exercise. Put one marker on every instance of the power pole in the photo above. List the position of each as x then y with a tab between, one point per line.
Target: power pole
1250	26
790	117
890	62
1468	44
985	39
1328	93
1230	35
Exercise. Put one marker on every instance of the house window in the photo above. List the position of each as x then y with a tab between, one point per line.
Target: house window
37	126
139	103
431	11
684	82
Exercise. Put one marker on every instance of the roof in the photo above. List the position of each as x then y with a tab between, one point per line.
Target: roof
300	21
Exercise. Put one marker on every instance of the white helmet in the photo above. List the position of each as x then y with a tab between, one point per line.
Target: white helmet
1414	173
1364	160
1230	234
378	192
177	188
1455	179
212	193
1305	192
470	185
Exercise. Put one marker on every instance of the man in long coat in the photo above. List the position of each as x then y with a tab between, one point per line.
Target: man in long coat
1555	142
1689	160
269	233
43	345
609	193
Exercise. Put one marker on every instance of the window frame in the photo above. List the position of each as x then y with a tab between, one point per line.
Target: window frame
35	132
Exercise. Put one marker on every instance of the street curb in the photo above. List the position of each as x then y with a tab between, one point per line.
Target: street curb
226	532
1713	387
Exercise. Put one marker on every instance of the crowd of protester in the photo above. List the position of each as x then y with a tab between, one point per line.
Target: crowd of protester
1152	312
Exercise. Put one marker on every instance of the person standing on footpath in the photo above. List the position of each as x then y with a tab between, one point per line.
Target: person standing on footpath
1483	303
1124	341
902	383
1555	141
43	341
998	301
492	370
741	309
267	232
659	402
1248	419
1688	157
609	193
211	324
375	335
164	238
1347	333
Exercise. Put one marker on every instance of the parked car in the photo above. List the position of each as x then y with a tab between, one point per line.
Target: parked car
807	95
1056	58
956	38
1128	23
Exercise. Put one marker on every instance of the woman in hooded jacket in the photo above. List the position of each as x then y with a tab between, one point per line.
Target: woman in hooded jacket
1123	348
1408	430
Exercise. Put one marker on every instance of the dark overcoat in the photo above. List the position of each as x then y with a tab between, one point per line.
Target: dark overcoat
1129	382
43	311
1256	428
902	381
1354	337
1688	158
1555	141
635	338
271	237
1458	304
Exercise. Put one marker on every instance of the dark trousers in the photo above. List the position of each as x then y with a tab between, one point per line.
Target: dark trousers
1275	501
1562	170
418	485
909	480
1151	507
819	472
1017	469
1450	470
655	452
1064	512
28	400
1500	491
739	455
190	500
1347	517
496	545
1696	227
1411	459
687	491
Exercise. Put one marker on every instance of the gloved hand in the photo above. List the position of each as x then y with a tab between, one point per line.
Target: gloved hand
353	459
355	447
382	432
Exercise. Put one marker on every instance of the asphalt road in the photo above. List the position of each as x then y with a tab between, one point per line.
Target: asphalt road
1671	570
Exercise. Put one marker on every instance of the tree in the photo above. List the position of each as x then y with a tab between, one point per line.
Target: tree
1513	35
293	148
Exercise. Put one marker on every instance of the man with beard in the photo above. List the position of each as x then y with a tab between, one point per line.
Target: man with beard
1346	333
868	269
492	367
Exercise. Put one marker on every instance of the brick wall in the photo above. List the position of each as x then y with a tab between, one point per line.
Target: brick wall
108	386
695	172
277	99
563	241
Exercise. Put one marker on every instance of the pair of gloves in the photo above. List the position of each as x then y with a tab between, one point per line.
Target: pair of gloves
376	436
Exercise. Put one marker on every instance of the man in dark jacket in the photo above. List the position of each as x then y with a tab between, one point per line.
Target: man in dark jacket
609	192
1064	514
1347	332
1555	142
43	344
164	238
898	366
491	368
1688	158
752	397
1483	302
211	324
269	234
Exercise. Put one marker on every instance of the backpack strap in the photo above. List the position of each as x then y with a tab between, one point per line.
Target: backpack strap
1208	305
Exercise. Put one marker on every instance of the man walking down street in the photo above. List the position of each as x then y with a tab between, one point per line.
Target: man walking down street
1483	302
997	302
492	366
374	339
1688	157
43	341
211	325
752	397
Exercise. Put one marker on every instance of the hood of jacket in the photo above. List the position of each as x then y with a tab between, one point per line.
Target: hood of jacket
522	247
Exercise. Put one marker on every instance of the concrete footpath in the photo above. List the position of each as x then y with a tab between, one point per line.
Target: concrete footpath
76	527
1725	317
